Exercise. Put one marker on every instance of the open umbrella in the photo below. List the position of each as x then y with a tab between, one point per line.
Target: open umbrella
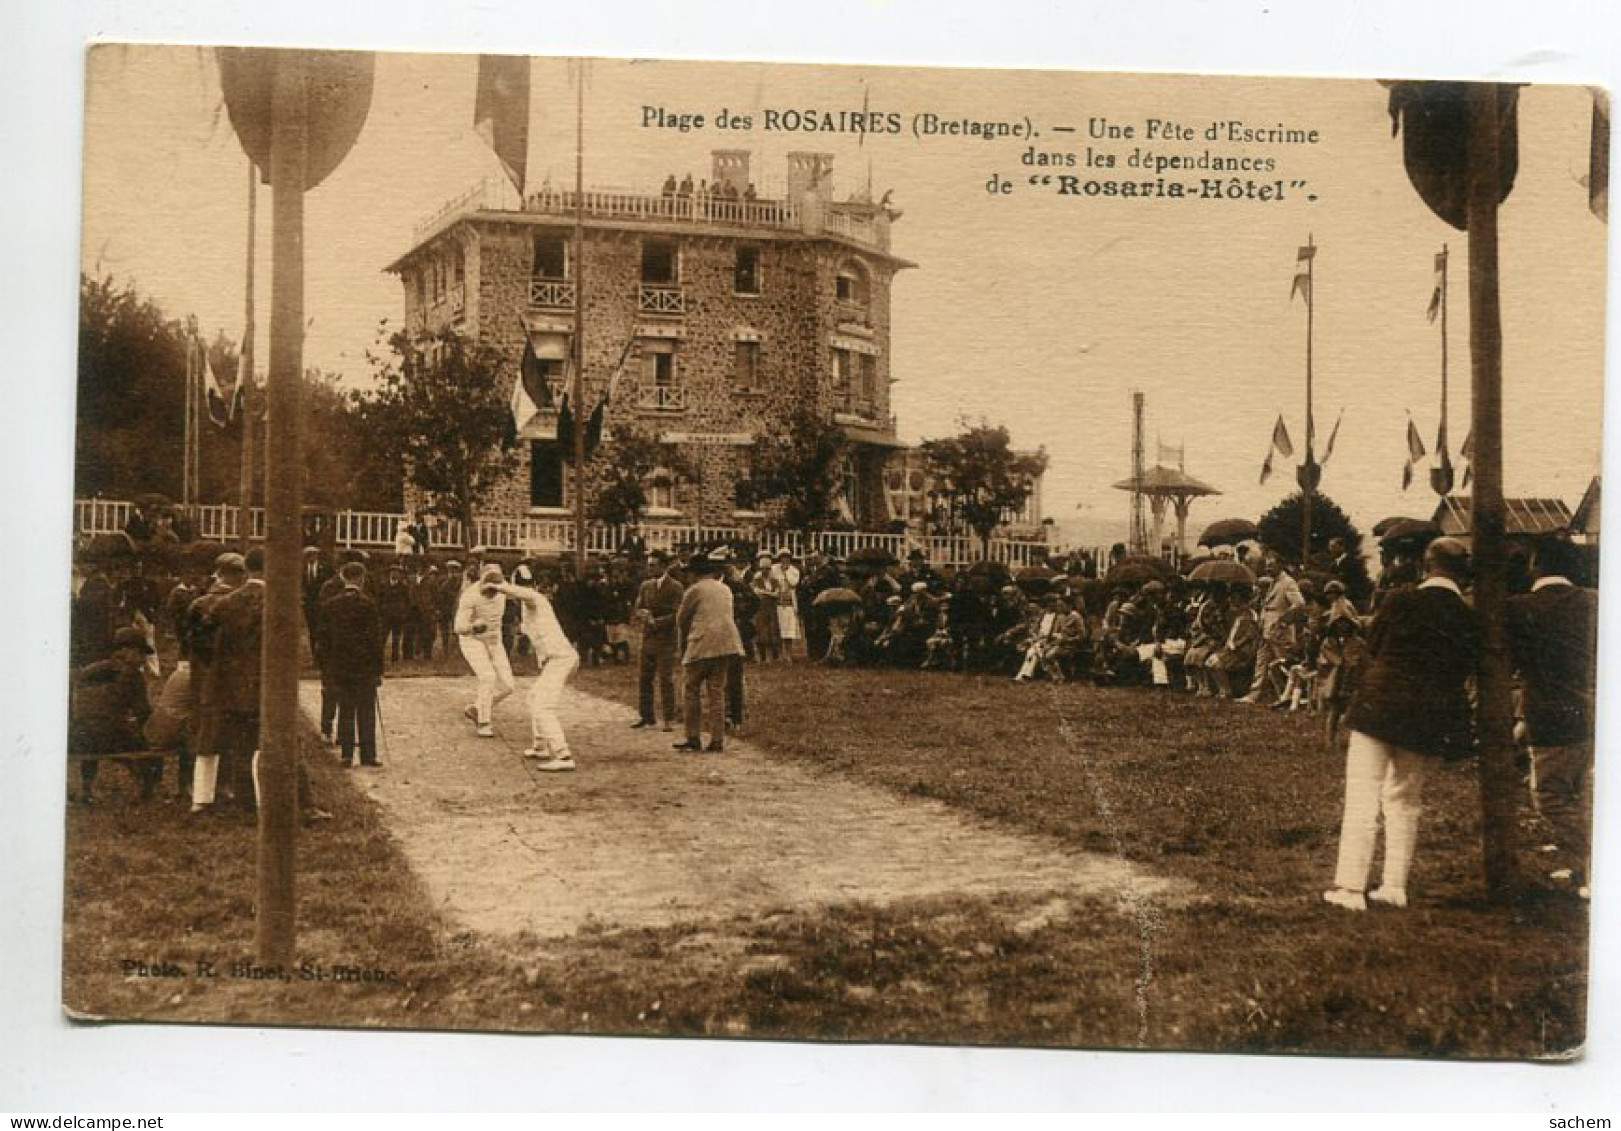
1228	531
871	558
1137	569
836	597
990	575
1223	570
1035	580
1382	527
1411	530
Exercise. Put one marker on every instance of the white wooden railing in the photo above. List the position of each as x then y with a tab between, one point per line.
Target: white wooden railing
217	522
551	294
659	298
662	398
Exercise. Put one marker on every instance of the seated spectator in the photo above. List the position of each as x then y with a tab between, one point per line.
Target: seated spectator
108	708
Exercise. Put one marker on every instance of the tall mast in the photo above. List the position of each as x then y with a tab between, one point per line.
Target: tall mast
580	416
1139	524
249	399
1309	479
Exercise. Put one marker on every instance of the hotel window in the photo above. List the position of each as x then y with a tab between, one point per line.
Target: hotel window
550	257
661	490
851	285
746	365
867	367
659	358
660	262
545	474
746	279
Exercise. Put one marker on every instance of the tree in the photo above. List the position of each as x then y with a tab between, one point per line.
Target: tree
337	473
1280	531
624	469
439	413
131	419
981	478
798	467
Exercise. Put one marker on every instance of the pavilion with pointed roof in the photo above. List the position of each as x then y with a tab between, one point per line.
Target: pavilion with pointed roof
1172	486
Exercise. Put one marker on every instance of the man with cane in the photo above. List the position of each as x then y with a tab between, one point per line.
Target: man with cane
353	640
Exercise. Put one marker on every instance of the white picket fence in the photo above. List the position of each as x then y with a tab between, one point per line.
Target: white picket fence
218	522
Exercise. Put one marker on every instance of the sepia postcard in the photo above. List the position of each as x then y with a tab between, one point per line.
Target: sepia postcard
835	553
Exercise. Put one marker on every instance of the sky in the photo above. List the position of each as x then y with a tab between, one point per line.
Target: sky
1029	309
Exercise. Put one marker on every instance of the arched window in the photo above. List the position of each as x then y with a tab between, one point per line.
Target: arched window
852	286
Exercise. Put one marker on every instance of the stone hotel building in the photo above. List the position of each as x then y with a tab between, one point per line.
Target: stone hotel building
714	315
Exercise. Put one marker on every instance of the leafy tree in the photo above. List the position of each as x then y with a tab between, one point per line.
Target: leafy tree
626	466
131	420
1280	531
337	473
439	414
798	468
981	477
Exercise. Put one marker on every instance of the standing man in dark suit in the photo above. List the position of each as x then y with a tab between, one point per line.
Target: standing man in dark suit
1411	709
201	635
354	653
234	677
657	601
316	574
1553	639
709	640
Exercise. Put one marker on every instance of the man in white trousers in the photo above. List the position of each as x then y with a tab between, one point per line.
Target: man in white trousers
478	632
557	659
1410	710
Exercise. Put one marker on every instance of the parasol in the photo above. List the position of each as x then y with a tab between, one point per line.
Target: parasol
1228	531
1411	530
1223	570
838	596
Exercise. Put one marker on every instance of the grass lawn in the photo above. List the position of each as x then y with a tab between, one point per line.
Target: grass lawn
1241	804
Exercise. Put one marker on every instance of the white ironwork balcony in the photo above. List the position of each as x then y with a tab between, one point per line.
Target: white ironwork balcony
552	294
660	298
662	398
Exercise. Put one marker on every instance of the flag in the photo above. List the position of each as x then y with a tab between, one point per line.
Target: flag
593	425
1168	453
1440	274
1306	254
221	398
1415	452
1333	434
1302	286
565	425
523	410
1467	453
501	111
1280	439
532	377
1280	445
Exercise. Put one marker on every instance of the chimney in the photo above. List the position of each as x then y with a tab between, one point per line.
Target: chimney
810	175
729	167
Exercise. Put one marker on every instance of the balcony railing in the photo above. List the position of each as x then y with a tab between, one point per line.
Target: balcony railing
552	294
662	398
661	298
705	209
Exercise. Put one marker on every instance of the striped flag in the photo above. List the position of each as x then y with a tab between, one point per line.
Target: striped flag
1440	274
501	111
1281	445
222	398
1415	453
1332	436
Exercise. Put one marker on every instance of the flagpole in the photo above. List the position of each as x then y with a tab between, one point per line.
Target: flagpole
579	318
1309	484
1444	265
244	522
